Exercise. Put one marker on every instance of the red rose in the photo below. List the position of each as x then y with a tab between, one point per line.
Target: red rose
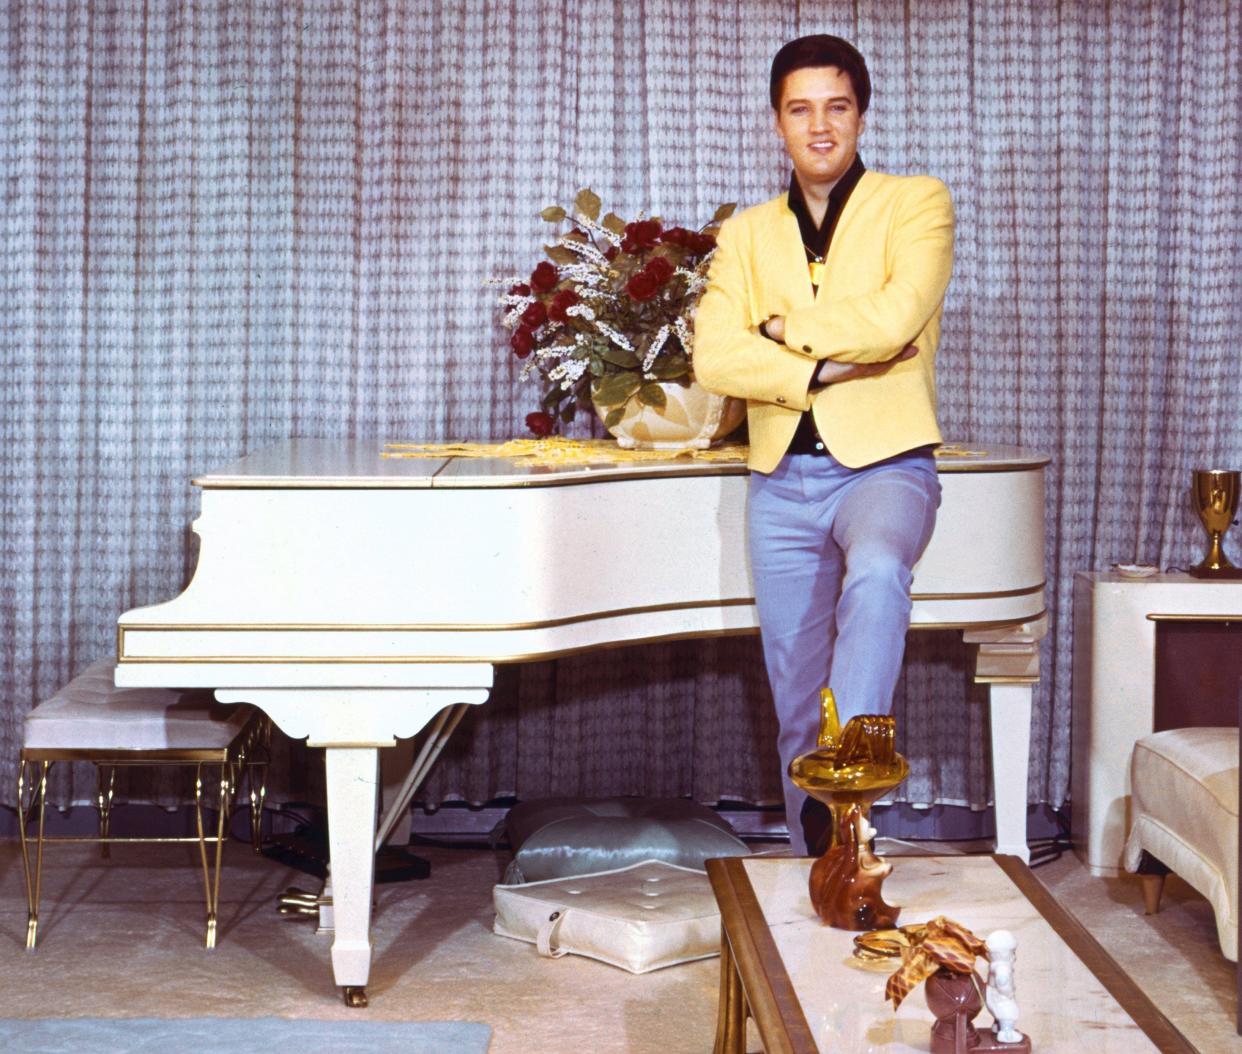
544	277
642	286
540	424
521	289
643	233
563	300
629	245
660	269
702	244
610	253
535	315
522	342
675	236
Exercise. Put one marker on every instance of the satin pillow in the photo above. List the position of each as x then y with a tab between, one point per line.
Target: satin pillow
555	837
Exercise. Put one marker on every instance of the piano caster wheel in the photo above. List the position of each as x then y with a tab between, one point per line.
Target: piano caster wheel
355	995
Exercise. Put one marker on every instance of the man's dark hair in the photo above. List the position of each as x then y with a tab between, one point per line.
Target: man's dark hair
821	49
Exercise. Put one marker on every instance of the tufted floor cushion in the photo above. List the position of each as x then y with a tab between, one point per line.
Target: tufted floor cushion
1184	785
555	837
91	713
640	918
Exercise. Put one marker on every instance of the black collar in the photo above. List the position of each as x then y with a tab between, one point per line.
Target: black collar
817	239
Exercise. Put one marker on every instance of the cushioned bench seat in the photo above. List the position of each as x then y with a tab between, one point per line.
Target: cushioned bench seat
91	713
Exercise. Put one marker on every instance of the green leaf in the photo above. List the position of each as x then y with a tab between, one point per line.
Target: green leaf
587	203
669	369
567	414
553	214
552	398
615	389
614	223
627	360
651	394
724	212
614	417
597	366
559	254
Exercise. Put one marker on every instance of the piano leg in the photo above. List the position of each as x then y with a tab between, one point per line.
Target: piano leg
1007	661
1010	706
352	725
352	785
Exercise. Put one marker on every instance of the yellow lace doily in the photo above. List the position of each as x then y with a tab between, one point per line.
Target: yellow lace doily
556	450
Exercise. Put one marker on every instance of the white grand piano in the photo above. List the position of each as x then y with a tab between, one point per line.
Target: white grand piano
359	600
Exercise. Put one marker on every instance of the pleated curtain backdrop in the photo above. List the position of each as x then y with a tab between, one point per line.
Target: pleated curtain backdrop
229	223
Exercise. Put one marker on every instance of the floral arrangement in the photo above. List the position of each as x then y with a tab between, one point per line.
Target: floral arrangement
609	314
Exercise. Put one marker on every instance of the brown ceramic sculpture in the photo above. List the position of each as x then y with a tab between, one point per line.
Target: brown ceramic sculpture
845	881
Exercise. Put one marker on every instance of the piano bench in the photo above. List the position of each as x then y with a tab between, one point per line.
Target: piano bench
92	720
1184	804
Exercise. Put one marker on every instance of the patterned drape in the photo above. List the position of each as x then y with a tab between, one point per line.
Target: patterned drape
226	223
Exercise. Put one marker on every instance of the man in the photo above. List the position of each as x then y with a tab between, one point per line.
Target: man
822	310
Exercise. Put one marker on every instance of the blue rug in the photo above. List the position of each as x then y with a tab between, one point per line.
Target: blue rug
232	1035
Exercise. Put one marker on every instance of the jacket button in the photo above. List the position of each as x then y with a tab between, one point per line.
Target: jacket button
806	348
780	399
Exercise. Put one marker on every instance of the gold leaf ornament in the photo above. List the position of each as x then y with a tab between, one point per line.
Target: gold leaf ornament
587	204
724	212
614	223
559	254
553	214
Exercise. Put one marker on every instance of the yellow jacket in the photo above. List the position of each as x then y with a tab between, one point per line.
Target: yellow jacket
883	287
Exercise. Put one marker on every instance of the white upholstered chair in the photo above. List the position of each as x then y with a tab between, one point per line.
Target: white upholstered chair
1184	793
92	720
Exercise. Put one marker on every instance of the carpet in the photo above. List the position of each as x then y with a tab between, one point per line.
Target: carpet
232	1035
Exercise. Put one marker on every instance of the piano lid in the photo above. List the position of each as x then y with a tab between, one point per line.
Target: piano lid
323	463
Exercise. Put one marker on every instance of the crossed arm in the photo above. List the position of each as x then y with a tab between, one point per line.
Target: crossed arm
836	339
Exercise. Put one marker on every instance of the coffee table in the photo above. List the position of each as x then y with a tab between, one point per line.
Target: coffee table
799	981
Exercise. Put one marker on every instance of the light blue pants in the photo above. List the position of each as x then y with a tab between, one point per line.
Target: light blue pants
831	551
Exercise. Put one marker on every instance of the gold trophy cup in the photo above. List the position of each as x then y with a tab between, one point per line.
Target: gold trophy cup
1215	497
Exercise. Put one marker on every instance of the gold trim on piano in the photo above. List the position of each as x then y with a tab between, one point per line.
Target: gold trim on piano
1158	617
418	660
503	627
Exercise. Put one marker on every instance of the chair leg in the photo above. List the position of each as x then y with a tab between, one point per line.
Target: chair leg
1152	872
34	883
1153	887
103	802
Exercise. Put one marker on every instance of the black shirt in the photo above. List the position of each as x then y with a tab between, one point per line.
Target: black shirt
816	240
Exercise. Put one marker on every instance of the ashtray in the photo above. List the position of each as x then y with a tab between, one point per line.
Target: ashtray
1135	570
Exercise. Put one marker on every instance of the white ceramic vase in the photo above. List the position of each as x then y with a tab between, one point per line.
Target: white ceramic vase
692	417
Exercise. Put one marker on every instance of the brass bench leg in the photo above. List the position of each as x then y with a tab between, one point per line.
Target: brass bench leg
211	874
103	802
34	883
256	771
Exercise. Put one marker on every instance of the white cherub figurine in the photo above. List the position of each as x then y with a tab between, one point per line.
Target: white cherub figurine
1000	996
